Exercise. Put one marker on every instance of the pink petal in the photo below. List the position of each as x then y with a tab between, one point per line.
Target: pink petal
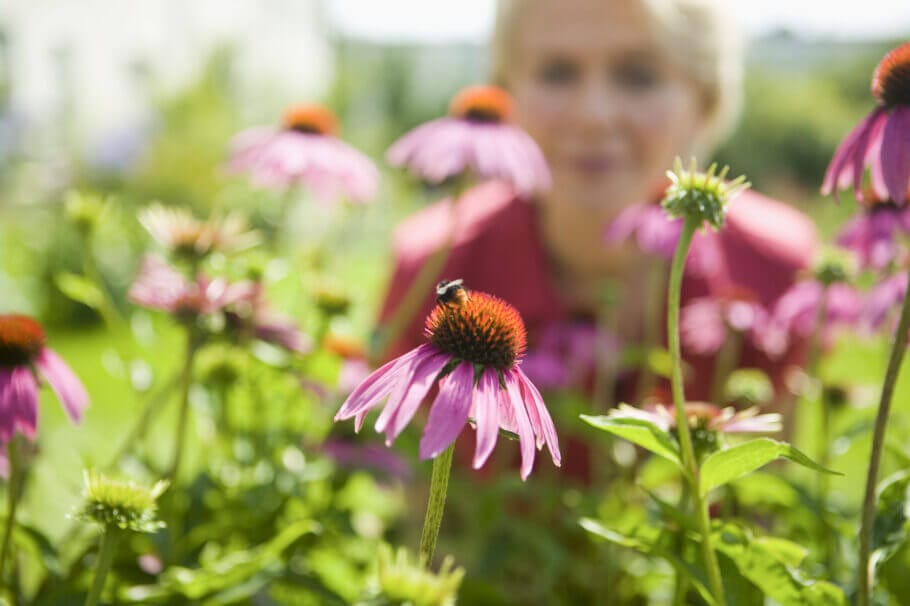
18	403
64	382
511	398
895	154
486	416
449	412
401	412
376	386
539	416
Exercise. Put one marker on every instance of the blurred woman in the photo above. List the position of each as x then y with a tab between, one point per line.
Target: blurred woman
612	91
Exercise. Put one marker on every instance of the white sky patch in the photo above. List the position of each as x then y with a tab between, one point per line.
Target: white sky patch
471	20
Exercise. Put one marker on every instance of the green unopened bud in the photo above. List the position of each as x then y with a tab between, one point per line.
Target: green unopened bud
84	211
702	196
121	504
833	266
749	386
332	301
405	582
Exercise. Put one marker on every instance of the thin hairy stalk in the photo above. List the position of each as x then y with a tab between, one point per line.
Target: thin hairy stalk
439	486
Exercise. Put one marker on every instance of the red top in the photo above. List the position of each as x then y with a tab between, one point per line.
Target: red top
498	250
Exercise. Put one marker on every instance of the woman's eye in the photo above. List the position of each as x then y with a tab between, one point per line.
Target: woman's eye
637	76
557	72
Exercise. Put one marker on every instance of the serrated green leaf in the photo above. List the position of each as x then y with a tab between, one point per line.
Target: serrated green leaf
79	289
729	464
643	433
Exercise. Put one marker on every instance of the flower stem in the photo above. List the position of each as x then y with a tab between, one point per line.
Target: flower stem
439	486
12	496
186	380
690	463
898	349
105	557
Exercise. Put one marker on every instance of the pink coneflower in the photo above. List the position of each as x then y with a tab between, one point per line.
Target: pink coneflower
703	415
873	232
884	297
305	151
473	352
566	355
160	286
249	315
882	140
705	323
796	312
476	136
179	232
24	360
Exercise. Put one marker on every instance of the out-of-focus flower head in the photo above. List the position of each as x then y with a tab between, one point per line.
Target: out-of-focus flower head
475	344
883	299
185	236
566	354
874	232
705	323
121	504
881	141
477	136
402	580
305	151
249	316
85	211
748	386
24	359
701	195
366	456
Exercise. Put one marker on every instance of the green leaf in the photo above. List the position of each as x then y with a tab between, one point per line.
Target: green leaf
891	526
638	431
772	565
79	289
727	465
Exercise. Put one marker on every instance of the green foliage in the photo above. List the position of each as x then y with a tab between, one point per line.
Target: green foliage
638	431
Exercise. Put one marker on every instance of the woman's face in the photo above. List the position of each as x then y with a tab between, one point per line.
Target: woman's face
605	101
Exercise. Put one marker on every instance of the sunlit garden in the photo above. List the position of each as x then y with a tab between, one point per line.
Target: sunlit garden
482	330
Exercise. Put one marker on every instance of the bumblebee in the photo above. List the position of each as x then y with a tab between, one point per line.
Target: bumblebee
451	292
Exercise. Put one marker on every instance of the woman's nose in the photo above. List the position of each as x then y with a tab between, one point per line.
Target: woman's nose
598	106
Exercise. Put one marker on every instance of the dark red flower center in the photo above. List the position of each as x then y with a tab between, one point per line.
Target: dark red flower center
21	340
310	119
482	103
891	80
482	329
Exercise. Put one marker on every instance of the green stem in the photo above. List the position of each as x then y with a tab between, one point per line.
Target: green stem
186	380
439	486
690	463
105	557
12	495
898	349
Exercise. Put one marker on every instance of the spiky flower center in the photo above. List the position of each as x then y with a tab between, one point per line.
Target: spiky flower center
484	330
891	80
701	195
21	340
482	103
121	504
310	119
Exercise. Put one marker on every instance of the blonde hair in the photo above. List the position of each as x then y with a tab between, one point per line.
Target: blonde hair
700	30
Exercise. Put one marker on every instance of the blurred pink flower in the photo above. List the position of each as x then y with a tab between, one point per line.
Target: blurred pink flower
482	332
884	297
366	456
250	315
178	231
565	355
872	233
24	359
654	231
796	312
705	323
476	135
703	415
882	140
305	151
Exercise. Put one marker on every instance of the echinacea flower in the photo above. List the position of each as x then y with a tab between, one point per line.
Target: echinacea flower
705	323
402	579
24	360
305	151
473	352
873	232
159	286
704	415
121	504
182	234
884	297
477	136
881	141
796	312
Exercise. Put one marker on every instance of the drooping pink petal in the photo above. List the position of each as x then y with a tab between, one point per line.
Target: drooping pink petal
7	408
895	154
64	382
449	412
400	412
158	285
843	167
377	386
511	398
486	416
24	395
539	416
